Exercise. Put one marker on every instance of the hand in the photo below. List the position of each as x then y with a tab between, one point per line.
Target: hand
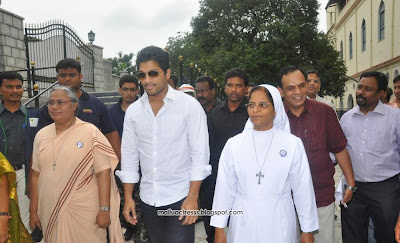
130	211
34	221
103	219
190	203
3	229
220	236
397	231
307	237
348	195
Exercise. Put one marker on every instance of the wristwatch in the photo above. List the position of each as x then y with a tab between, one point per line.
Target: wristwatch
4	214
353	189
105	208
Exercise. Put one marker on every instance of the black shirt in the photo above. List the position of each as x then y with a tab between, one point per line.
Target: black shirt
117	116
222	125
218	104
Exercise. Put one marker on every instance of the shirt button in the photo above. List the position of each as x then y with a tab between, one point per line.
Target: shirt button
155	168
361	154
155	153
365	130
362	142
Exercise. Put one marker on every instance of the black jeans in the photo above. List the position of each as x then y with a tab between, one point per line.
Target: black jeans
206	200
377	200
166	229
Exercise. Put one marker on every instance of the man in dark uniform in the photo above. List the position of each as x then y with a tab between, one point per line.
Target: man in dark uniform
205	94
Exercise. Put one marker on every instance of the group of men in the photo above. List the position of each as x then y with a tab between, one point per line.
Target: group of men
172	142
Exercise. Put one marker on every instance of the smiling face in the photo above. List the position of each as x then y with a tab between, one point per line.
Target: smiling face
63	112
11	90
156	85
294	90
261	110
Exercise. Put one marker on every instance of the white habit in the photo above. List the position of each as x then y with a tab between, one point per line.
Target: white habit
269	209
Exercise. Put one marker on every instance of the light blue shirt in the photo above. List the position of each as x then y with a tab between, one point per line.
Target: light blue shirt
373	142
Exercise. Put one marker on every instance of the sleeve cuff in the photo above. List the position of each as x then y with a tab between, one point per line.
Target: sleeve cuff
219	221
127	177
309	225
199	173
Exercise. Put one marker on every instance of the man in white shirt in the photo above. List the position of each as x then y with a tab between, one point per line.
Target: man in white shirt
166	130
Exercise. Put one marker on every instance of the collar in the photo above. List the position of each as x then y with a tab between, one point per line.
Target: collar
241	105
21	108
379	108
170	96
84	96
308	107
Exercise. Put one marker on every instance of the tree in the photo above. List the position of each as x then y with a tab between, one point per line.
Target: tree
123	62
262	37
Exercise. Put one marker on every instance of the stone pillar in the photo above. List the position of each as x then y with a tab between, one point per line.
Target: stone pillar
12	48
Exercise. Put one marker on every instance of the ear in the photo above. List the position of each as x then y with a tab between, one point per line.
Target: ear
168	73
81	77
381	93
120	91
213	91
280	91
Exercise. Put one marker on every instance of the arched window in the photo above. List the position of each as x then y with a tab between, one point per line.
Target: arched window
388	76
341	50
351	46
363	36
381	21
396	73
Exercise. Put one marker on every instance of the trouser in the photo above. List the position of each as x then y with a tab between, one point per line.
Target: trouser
377	200
166	229
23	200
206	200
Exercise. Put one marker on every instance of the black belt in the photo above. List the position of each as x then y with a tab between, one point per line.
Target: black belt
17	167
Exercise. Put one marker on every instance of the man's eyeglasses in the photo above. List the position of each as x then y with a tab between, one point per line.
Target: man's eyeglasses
261	105
129	89
64	75
57	102
201	91
152	74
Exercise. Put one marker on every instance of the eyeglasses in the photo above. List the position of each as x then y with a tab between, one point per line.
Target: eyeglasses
129	89
57	102
152	74
201	91
64	75
261	105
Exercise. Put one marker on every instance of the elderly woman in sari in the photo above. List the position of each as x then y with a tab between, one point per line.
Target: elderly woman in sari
259	171
11	227
73	193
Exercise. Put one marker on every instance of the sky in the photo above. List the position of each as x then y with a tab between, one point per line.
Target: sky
119	25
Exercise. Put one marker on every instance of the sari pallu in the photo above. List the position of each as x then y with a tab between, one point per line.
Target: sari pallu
17	232
67	187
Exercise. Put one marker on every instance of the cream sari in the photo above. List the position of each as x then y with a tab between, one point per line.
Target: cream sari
67	187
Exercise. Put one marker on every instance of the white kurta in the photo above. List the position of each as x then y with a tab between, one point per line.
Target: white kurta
269	209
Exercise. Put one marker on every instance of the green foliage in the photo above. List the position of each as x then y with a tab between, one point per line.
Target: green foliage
262	37
123	62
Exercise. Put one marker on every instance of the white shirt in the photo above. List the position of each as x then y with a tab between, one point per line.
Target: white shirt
172	147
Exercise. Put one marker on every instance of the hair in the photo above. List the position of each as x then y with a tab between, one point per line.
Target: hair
10	76
174	79
68	63
207	79
252	85
314	72
153	53
380	78
389	92
265	90
69	92
396	79
237	72
289	69
128	79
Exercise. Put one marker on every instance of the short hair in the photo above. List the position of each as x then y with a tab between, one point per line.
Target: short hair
207	79
68	91
237	72
380	78
153	53
265	90
389	92
10	76
174	79
252	85
314	72
128	79
68	63
289	69
396	79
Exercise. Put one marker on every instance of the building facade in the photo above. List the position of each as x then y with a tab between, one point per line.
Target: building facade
367	35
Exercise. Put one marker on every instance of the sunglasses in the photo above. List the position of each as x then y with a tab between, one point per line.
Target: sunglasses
152	74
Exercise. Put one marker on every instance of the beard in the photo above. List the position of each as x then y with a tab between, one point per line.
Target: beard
361	101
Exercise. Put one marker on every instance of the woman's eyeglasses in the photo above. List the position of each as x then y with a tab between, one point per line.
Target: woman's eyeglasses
261	105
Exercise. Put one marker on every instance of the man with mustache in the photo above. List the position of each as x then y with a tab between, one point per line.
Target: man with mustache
319	129
373	134
396	86
205	94
19	126
223	123
314	86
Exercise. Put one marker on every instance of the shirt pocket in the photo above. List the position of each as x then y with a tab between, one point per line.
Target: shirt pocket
380	139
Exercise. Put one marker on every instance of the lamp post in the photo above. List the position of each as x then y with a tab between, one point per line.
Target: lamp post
166	48
91	36
181	68
191	65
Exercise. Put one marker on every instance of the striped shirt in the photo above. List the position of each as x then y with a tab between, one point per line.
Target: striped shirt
373	142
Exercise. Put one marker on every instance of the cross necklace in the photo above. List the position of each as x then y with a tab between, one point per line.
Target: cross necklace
260	174
59	151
